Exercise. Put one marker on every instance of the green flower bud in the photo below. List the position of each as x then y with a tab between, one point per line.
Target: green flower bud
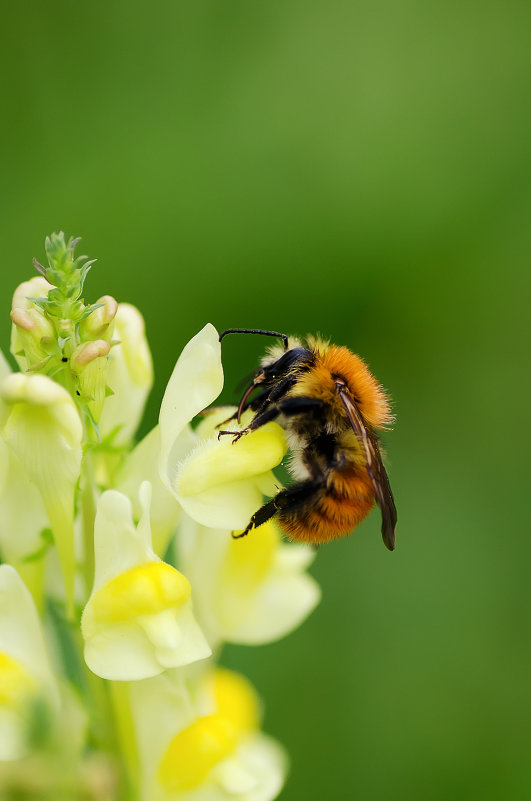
89	364
98	324
32	334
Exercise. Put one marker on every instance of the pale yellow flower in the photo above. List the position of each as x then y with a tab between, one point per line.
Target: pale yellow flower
129	376
206	746
41	425
251	590
25	675
143	464
217	483
139	619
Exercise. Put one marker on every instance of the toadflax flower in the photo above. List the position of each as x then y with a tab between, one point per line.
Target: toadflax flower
26	679
41	425
217	484
22	516
200	740
250	591
138	620
129	375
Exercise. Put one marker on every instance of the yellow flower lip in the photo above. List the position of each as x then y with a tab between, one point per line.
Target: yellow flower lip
145	590
216	463
195	751
16	684
236	700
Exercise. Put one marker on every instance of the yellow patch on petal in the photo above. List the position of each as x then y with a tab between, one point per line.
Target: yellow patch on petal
195	751
144	590
236	700
216	463
16	684
249	559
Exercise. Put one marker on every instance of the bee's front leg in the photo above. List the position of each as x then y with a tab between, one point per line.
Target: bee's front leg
235	434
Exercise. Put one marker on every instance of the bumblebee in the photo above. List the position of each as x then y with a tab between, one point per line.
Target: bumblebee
330	406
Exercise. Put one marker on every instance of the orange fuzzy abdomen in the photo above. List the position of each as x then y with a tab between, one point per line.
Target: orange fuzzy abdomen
344	503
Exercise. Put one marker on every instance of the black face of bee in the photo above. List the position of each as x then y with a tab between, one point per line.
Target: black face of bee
295	356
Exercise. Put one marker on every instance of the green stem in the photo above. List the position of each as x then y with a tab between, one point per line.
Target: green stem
119	692
88	515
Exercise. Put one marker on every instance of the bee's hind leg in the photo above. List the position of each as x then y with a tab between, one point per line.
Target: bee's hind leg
287	500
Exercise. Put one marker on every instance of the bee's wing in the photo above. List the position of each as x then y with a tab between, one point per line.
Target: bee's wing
375	468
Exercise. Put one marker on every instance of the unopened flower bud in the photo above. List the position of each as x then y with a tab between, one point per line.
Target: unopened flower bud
36	334
89	363
37	287
98	322
23	319
88	352
65	328
130	376
32	334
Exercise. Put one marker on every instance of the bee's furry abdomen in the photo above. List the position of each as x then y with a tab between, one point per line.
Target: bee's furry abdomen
345	500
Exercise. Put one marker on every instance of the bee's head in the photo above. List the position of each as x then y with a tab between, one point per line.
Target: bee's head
278	363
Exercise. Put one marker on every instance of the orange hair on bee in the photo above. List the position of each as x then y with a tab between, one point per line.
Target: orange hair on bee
348	501
333	361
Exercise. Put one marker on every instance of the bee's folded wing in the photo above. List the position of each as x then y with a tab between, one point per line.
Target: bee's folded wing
375	468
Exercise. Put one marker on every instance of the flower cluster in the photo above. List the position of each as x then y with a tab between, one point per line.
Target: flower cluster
120	581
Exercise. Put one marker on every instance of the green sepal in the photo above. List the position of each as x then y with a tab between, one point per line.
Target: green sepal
90	309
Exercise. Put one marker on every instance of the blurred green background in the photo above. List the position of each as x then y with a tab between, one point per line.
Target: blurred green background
359	169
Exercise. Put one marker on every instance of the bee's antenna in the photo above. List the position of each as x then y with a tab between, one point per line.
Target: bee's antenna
255	331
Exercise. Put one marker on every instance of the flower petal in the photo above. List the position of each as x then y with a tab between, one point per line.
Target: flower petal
195	383
281	604
216	463
41	424
118	544
5	369
256	772
22	522
129	375
143	464
25	673
220	483
20	630
229	506
251	590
